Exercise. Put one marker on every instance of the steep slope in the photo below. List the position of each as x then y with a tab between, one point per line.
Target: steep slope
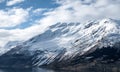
67	44
12	44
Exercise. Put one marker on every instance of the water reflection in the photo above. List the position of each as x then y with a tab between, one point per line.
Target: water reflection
30	70
48	70
15	70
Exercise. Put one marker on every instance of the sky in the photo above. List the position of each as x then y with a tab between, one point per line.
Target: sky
23	19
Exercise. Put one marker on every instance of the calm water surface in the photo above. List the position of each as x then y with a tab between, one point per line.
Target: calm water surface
30	70
48	70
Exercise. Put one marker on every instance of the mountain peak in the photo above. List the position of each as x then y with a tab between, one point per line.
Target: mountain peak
109	24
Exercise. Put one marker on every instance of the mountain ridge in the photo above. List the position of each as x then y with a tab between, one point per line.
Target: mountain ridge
68	44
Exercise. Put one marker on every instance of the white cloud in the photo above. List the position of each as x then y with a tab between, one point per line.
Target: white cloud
68	11
20	34
13	17
39	10
82	10
13	2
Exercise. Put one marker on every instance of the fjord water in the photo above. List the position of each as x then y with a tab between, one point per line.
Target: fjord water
30	70
49	70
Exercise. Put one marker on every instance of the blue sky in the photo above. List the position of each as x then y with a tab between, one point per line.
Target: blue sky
23	19
30	3
26	4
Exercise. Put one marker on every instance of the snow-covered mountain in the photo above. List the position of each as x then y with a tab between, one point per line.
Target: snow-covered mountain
66	44
12	44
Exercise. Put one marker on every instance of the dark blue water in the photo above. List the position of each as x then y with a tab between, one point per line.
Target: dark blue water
30	70
49	70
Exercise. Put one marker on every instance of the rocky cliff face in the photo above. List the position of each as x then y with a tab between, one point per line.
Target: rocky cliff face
68	44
